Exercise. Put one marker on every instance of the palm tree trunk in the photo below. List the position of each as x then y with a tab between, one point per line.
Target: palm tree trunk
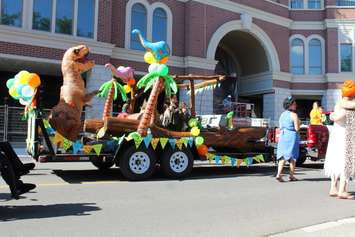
150	108
108	102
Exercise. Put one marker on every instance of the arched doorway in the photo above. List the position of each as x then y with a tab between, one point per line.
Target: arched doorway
248	58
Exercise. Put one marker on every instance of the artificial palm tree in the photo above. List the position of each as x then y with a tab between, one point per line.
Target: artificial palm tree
158	79
110	90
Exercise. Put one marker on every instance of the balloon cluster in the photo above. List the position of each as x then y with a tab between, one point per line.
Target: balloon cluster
195	126
23	86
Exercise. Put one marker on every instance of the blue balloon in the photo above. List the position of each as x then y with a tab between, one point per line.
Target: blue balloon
19	89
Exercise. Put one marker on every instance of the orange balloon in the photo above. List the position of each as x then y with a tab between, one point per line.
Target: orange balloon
34	80
131	82
202	150
164	60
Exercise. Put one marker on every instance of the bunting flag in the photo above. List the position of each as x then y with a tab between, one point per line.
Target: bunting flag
58	139
185	141
97	148
155	142
239	162
233	162
77	146
259	158
246	161
172	143
87	149
250	160
217	159
67	144
179	143
163	142
191	141
210	157
138	141
147	140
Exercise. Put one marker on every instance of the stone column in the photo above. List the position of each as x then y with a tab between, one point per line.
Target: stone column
273	104
95	78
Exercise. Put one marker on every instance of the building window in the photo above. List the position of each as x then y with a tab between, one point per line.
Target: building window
314	4
315	57
349	3
138	21
86	16
64	17
160	25
346	57
297	57
42	15
11	12
297	4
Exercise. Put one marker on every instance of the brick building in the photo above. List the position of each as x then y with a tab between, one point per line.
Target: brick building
269	49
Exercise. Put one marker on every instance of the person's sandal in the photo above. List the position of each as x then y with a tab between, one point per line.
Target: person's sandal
280	179
347	197
292	179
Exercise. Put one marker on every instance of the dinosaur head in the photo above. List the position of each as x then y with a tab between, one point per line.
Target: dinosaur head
77	58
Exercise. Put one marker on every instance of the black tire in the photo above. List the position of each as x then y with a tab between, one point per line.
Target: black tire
132	163
102	165
177	163
301	159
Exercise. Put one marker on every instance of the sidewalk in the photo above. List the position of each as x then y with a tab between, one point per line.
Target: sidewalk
339	228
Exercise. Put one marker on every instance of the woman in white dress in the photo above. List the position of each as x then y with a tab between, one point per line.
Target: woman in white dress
334	165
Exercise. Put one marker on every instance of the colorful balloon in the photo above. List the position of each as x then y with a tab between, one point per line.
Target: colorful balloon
19	89
24	102
27	91
202	150
21	73
149	58
153	67
34	80
163	70
131	82
192	122
24	79
164	60
13	93
127	89
195	131
10	83
199	141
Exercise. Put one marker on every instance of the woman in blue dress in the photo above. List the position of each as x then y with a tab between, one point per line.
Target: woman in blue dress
288	145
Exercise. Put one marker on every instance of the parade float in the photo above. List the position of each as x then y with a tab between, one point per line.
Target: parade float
138	142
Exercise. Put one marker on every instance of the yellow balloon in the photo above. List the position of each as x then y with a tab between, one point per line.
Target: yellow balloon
24	78
195	131
149	58
13	92
127	88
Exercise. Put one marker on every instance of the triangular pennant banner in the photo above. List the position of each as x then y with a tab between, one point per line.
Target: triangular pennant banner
147	140
163	142
259	158
97	148
239	162
185	141
87	149
246	161
58	139
217	159
77	146
250	160
191	141
155	142
137	141
67	144
233	162
172	143
179	143
210	157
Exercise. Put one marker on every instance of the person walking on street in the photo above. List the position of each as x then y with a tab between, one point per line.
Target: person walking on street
288	145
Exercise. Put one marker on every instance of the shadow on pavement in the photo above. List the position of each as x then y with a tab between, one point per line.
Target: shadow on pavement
12	213
114	174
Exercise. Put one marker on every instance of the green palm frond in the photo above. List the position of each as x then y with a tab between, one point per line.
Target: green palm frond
146	79
150	83
172	83
122	91
105	88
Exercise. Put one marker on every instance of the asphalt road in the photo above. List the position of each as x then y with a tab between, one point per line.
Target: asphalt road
75	199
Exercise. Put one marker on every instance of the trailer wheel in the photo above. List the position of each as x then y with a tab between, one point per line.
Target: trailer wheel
177	163
302	157
137	164
102	165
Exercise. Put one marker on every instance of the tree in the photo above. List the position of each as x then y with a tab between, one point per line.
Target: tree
158	79
110	90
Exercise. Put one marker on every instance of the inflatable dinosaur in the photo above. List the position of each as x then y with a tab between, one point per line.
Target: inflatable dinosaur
66	116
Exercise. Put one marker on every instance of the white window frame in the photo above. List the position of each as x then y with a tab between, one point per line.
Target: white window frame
24	2
150	10
305	6
306	41
28	16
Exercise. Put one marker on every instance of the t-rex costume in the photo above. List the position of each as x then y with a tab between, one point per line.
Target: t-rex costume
65	116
